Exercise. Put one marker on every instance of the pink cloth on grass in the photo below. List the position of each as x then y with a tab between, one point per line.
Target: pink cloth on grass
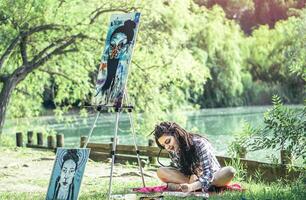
163	188
230	187
151	189
234	187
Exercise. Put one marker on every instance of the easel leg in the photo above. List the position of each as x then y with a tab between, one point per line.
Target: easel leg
91	130
113	156
126	98
136	148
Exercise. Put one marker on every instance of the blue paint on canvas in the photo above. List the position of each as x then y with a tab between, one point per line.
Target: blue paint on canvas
67	174
113	70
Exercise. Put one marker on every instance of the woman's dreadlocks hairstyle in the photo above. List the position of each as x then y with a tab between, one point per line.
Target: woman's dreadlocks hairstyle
187	154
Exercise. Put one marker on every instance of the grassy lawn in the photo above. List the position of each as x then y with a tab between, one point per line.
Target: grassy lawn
277	191
14	176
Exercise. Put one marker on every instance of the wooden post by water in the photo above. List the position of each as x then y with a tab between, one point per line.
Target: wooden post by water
40	139
30	138
83	141
286	157
60	140
19	139
151	143
112	140
242	152
51	141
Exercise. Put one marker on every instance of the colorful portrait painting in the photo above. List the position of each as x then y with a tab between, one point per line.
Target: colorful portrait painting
113	70
67	174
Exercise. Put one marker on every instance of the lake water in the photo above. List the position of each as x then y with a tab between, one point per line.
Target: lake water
216	124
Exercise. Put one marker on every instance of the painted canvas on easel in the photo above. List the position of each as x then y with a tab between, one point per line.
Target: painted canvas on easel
113	70
67	174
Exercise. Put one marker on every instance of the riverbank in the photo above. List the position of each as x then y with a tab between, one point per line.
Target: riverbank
218	124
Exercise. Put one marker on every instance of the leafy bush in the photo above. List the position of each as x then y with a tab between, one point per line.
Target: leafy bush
238	146
284	129
6	141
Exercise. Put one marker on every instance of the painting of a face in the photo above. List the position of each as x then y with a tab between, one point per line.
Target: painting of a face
115	59
117	45
67	173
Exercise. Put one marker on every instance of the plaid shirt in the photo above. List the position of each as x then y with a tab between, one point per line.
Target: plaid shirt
207	164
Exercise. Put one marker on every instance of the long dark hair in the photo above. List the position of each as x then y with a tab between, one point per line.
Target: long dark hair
71	154
187	153
127	29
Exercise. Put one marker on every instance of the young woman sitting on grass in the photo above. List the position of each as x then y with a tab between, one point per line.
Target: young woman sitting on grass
194	165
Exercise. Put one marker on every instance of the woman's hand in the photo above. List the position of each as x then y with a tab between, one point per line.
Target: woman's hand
186	187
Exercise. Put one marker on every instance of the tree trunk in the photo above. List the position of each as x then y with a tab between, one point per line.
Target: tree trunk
5	95
58	47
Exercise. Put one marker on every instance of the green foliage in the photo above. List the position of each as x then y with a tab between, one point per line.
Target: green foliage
7	141
252	13
240	143
295	52
272	61
66	75
222	40
249	70
284	129
185	57
273	159
167	71
241	172
165	75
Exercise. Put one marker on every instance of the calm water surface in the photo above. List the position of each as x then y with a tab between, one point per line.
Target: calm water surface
219	125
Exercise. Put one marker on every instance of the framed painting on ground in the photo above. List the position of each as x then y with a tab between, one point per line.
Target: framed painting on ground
67	174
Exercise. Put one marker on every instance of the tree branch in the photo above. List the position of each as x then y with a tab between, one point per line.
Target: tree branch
99	11
15	41
40	28
59	74
23	92
4	78
24	70
164	65
69	50
61	2
8	51
23	50
46	49
137	65
56	51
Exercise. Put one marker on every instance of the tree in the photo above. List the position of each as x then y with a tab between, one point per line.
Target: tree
295	52
250	14
271	62
223	42
162	64
37	39
284	129
168	69
185	57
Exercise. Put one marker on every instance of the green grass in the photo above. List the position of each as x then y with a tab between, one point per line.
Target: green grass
96	188
277	191
7	141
